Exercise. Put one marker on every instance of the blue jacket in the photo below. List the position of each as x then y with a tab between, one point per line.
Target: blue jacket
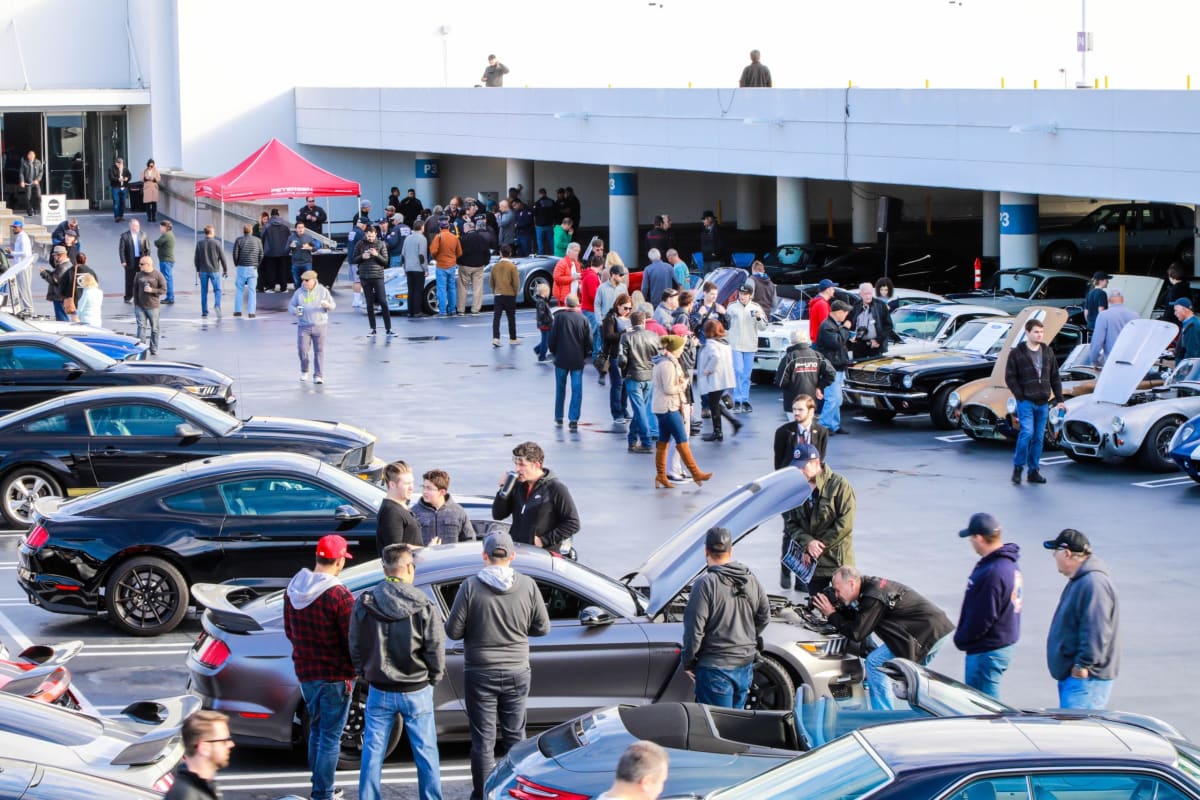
1084	629
991	609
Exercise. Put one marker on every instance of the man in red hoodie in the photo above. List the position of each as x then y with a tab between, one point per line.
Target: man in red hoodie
818	307
316	618
589	284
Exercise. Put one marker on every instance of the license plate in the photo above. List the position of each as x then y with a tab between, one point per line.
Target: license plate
868	401
24	574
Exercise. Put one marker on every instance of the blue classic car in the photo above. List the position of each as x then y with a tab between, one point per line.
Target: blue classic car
1185	448
114	345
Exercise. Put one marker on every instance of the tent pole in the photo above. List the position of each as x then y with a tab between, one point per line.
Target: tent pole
196	231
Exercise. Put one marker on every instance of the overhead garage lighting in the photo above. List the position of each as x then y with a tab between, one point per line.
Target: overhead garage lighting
583	115
1046	127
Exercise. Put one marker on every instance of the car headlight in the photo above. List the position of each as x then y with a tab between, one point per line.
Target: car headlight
954	400
1118	424
207	390
825	648
907	381
1011	405
1185	432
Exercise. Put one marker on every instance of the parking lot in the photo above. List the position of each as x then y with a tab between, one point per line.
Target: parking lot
440	396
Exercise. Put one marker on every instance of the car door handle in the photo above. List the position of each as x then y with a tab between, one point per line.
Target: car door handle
113	451
457	650
247	536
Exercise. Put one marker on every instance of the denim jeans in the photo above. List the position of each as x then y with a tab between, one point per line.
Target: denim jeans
147	326
311	336
494	698
167	268
1091	693
328	704
209	279
543	346
743	364
60	313
118	198
416	711
525	243
594	324
447	290
618	397
639	402
1032	417
879	684
726	687
560	392
671	426
246	281
831	413
545	239
984	670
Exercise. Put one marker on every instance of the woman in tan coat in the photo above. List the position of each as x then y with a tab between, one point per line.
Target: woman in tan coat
150	178
670	394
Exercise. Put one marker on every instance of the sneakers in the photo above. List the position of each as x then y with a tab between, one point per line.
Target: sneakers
574	425
495	342
303	376
747	408
371	332
318	379
558	423
514	341
237	313
390	334
1035	477
250	316
268	291
217	309
842	431
640	448
1016	476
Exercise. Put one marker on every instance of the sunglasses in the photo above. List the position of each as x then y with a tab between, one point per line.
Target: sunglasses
226	740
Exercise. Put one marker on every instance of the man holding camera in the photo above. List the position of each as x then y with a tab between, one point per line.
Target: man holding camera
872	324
910	626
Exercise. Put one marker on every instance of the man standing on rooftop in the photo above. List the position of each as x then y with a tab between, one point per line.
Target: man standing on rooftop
755	75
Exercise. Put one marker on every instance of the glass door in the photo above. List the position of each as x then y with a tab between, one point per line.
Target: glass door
21	132
106	139
65	162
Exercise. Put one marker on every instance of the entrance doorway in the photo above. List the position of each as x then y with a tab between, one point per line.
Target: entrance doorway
20	132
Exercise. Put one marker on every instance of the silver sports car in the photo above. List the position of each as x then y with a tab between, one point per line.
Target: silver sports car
532	270
1118	419
611	642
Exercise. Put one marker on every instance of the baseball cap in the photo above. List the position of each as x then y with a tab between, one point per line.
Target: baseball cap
16	223
1069	539
1101	275
499	545
1182	301
58	248
333	546
308	273
981	524
747	288
824	284
804	453
364	204
718	540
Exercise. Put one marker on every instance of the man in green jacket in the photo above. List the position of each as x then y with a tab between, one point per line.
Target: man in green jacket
165	244
824	524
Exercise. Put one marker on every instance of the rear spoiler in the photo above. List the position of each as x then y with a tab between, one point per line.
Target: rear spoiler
48	658
166	716
222	603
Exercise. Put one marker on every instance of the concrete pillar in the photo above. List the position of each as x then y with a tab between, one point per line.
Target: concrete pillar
749	203
623	214
991	225
791	211
1018	230
427	180
862	214
519	172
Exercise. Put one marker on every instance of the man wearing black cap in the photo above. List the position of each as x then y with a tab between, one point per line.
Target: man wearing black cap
1083	645
726	613
494	614
824	523
1096	300
711	246
493	73
990	621
831	342
1188	343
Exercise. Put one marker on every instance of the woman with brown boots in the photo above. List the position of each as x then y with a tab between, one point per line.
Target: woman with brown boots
670	393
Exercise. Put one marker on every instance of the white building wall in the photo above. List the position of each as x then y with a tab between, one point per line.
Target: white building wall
66	45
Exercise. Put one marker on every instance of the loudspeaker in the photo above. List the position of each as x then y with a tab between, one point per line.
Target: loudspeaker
887	216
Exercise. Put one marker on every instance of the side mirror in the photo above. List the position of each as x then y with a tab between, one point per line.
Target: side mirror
595	617
348	514
186	430
71	366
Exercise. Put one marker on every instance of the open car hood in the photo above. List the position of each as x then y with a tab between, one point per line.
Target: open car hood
1052	321
1140	343
675	564
1140	292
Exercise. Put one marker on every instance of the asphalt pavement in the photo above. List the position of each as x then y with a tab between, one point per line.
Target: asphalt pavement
440	396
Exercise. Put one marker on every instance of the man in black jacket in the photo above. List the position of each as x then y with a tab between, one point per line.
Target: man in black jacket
206	748
570	344
397	646
802	370
475	256
910	626
371	259
872	323
410	208
711	244
831	343
1032	376
545	217
542	509
312	215
726	613
132	245
396	523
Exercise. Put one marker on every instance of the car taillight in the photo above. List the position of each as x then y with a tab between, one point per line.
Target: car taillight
165	783
213	653
37	537
528	790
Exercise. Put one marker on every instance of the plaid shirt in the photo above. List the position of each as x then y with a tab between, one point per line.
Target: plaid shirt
320	636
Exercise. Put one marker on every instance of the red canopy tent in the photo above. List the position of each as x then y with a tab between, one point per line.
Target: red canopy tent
274	170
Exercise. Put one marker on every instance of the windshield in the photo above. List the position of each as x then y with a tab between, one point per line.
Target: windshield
207	414
953	698
1187	372
1189	759
789	308
918	323
841	770
979	336
84	355
1021	284
1109	216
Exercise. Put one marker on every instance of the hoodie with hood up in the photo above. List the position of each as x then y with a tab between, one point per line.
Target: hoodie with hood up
991	608
316	619
494	613
396	639
1084	630
727	611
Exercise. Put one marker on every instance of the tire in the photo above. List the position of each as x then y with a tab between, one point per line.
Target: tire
20	489
772	687
1153	454
1185	254
939	410
430	301
1061	255
531	286
146	596
879	414
350	755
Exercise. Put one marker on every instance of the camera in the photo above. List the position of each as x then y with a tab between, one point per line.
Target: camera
831	595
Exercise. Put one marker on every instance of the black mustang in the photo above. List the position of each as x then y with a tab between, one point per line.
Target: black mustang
87	440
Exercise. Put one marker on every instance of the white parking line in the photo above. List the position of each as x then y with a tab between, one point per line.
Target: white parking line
23	642
1055	460
954	437
391	777
100	652
1162	483
459	766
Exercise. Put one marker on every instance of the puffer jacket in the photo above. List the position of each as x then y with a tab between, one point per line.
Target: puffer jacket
714	367
370	268
638	350
745	321
396	638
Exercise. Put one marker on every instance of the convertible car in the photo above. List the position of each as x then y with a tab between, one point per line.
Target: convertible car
610	641
114	345
1118	418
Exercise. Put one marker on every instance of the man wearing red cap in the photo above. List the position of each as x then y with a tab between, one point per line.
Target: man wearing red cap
316	617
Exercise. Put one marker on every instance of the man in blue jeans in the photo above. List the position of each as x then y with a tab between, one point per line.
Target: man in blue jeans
990	622
316	618
397	646
726	613
494	614
639	347
570	343
1083	647
1032	376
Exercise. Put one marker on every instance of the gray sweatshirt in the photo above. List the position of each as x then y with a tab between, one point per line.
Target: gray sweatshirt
727	610
494	613
313	314
1084	630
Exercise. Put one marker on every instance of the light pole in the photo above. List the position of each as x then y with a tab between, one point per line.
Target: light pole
1083	43
444	30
